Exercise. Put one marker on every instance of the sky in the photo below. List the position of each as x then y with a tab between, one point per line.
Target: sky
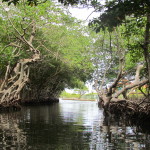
83	13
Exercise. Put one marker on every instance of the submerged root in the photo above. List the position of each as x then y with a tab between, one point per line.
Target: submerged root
134	113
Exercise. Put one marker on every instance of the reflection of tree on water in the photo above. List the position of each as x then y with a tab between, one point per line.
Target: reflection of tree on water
41	128
87	118
11	135
50	127
81	113
117	135
46	127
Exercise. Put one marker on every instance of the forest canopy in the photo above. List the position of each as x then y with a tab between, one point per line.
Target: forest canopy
125	30
41	54
66	53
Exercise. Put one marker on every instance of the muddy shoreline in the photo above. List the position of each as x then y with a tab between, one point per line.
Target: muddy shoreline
132	113
17	106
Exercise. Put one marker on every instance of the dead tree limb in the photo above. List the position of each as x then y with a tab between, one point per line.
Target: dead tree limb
136	82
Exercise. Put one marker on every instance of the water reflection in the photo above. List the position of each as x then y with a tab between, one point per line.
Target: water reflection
83	113
67	126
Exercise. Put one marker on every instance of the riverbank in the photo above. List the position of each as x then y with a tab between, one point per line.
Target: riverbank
77	99
133	112
68	126
17	105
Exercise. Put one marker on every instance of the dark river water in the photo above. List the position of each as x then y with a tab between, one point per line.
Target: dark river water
67	125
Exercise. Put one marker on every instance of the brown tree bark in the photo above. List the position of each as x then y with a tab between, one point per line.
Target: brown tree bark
16	77
145	46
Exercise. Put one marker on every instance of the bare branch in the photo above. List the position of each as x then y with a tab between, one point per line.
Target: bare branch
135	83
137	76
140	83
142	92
91	14
15	45
33	32
6	77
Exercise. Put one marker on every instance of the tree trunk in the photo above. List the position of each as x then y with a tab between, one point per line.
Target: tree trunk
109	96
10	91
17	77
145	46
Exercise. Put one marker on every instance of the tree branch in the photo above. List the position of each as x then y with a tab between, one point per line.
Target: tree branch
140	83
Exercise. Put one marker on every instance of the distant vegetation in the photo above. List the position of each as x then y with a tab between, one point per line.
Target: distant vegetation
44	53
64	94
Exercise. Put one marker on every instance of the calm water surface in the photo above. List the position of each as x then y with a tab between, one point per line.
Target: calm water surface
67	125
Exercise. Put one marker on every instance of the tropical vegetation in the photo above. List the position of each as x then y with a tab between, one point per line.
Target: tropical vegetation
54	51
41	54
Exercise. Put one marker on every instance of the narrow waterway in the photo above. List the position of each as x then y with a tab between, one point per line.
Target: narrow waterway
67	125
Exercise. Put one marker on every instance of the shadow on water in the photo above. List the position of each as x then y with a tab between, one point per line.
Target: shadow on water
123	134
68	126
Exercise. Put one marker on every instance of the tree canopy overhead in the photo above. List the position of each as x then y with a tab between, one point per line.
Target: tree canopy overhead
116	11
66	51
132	19
41	54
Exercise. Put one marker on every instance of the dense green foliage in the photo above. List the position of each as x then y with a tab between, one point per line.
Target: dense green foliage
116	11
131	16
65	61
67	54
88	96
